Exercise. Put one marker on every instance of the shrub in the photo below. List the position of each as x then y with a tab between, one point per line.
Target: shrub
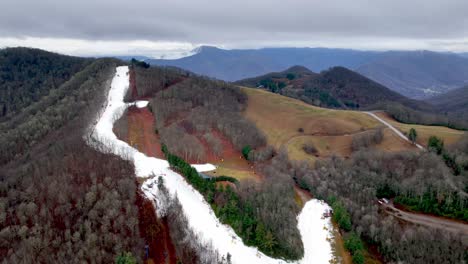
125	258
309	148
245	151
435	144
413	135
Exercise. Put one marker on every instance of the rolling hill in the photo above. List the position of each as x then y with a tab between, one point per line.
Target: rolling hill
336	87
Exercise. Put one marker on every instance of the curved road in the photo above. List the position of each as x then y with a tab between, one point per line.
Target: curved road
393	128
427	220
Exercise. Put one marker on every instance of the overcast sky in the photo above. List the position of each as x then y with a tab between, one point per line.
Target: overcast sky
157	27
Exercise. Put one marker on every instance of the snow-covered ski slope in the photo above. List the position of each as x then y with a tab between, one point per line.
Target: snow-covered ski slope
314	230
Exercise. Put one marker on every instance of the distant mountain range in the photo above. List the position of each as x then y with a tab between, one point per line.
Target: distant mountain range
453	103
415	74
232	65
418	74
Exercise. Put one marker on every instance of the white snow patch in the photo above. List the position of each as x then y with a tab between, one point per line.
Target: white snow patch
201	218
315	231
141	104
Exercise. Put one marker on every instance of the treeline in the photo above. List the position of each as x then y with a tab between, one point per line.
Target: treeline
409	115
357	182
23	130
452	205
239	213
27	75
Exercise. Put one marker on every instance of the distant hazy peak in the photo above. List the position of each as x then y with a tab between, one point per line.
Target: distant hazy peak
204	49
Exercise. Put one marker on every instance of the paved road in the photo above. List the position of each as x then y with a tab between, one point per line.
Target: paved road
427	220
393	128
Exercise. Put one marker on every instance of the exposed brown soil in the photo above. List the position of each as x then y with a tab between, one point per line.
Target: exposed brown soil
155	233
140	132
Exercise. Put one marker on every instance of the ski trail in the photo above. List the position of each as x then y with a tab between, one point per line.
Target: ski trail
315	231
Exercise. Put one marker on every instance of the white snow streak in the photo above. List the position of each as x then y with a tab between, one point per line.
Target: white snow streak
313	229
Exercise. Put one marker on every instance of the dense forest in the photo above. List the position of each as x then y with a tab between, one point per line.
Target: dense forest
21	131
26	75
410	115
62	201
352	186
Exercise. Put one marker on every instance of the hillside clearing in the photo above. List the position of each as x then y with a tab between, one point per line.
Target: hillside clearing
291	123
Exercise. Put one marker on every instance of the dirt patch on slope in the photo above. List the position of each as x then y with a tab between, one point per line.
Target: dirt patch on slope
155	233
137	128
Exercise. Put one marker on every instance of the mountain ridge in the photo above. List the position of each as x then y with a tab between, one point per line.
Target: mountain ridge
402	71
337	87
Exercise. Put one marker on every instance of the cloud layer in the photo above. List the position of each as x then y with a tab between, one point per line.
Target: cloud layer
364	24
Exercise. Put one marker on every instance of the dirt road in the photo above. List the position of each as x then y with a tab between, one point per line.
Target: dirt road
427	220
393	129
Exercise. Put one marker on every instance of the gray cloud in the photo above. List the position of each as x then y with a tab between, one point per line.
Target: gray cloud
240	23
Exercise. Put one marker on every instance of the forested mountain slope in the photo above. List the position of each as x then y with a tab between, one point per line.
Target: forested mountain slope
62	201
454	103
26	75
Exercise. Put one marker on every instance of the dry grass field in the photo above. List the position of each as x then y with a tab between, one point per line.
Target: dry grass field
291	123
